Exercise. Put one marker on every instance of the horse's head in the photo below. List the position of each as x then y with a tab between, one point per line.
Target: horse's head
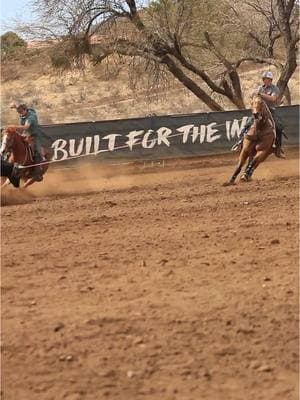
258	107
8	136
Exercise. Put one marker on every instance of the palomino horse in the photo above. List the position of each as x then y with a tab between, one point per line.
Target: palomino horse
258	142
21	153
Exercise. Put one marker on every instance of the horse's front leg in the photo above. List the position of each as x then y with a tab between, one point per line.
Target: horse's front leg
246	150
4	182
28	182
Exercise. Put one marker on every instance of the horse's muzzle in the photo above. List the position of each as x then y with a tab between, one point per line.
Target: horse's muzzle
256	115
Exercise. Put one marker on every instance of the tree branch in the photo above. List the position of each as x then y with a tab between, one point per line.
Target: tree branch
237	97
258	60
197	71
191	85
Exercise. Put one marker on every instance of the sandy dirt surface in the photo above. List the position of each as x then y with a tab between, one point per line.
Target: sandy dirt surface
152	285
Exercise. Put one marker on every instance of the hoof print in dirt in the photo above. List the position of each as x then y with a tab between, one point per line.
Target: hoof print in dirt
228	184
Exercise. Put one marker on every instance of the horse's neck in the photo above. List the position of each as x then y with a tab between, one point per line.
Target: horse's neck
20	150
267	119
267	116
263	121
266	124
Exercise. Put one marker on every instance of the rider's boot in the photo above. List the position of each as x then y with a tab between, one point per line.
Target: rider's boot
278	150
237	146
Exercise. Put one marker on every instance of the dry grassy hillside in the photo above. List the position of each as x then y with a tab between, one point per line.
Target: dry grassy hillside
97	95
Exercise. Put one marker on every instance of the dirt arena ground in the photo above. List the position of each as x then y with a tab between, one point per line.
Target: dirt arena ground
152	284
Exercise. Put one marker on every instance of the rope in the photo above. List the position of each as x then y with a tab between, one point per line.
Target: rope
100	151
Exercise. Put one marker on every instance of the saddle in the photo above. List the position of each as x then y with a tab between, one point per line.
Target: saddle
27	140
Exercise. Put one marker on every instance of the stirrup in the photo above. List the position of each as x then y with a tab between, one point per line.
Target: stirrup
236	146
16	170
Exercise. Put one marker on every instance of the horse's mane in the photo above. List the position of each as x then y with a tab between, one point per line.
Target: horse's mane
10	130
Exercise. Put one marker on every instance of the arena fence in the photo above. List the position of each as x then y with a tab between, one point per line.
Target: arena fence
157	137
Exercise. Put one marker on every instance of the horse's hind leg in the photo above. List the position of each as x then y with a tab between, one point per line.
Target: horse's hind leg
253	164
247	177
234	175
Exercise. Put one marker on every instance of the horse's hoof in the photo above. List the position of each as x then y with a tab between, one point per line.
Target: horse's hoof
245	178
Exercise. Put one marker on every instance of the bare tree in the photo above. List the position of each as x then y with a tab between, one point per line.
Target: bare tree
277	38
191	40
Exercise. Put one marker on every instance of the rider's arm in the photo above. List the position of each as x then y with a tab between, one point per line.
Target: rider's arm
271	98
273	95
20	127
27	126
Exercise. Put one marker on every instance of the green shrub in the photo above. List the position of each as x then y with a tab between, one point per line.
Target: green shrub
12	45
60	60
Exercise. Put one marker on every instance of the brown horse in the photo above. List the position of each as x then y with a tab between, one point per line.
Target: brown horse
20	152
258	143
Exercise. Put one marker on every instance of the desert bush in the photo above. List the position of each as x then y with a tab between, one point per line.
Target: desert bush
59	59
10	72
12	45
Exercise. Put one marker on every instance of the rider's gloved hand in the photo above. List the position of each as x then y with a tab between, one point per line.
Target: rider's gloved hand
27	139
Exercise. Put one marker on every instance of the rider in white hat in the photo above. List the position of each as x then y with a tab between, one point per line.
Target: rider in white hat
270	94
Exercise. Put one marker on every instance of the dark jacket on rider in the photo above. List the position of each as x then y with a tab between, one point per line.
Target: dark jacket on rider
34	132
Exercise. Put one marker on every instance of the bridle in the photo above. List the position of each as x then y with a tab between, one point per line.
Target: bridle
259	115
7	142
